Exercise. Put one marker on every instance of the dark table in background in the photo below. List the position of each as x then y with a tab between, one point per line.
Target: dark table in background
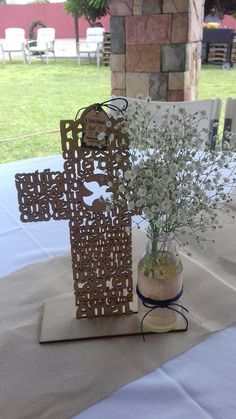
214	36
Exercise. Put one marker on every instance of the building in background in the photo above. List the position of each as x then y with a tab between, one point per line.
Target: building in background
51	14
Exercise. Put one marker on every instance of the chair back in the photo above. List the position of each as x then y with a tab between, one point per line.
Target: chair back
45	37
230	120
14	38
212	107
94	35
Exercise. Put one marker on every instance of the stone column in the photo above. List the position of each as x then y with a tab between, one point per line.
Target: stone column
156	48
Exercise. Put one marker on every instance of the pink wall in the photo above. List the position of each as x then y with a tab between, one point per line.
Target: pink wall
53	15
229	22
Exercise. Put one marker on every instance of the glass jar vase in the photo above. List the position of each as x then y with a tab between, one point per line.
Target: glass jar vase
160	279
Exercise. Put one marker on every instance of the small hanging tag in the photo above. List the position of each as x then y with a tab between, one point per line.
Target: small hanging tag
94	122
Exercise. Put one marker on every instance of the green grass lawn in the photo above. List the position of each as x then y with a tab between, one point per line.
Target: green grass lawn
34	98
215	82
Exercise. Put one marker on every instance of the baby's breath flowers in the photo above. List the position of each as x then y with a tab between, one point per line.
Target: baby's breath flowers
173	180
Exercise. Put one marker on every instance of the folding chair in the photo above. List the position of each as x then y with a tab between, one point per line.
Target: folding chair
43	45
230	121
212	107
14	42
92	46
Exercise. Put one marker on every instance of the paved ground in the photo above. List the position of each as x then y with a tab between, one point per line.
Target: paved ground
65	48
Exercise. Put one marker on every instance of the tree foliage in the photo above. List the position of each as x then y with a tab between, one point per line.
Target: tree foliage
100	3
90	9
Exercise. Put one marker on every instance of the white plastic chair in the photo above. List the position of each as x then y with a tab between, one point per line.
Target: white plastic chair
212	107
43	45
230	121
14	42
92	46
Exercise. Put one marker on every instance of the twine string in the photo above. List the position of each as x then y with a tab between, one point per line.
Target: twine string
170	304
109	105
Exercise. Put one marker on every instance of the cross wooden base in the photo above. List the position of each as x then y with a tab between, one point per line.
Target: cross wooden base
59	323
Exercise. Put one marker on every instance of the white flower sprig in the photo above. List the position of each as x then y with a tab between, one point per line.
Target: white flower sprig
174	181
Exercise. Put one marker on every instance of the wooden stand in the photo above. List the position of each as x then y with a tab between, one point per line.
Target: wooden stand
59	324
106	52
233	52
217	53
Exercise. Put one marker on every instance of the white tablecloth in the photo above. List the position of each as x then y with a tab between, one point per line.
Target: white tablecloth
198	384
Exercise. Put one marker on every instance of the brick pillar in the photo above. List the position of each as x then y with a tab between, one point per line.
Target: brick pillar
156	48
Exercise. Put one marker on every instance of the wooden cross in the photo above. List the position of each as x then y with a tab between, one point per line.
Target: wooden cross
94	150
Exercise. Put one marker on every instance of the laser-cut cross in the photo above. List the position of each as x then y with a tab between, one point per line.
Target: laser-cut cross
100	239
